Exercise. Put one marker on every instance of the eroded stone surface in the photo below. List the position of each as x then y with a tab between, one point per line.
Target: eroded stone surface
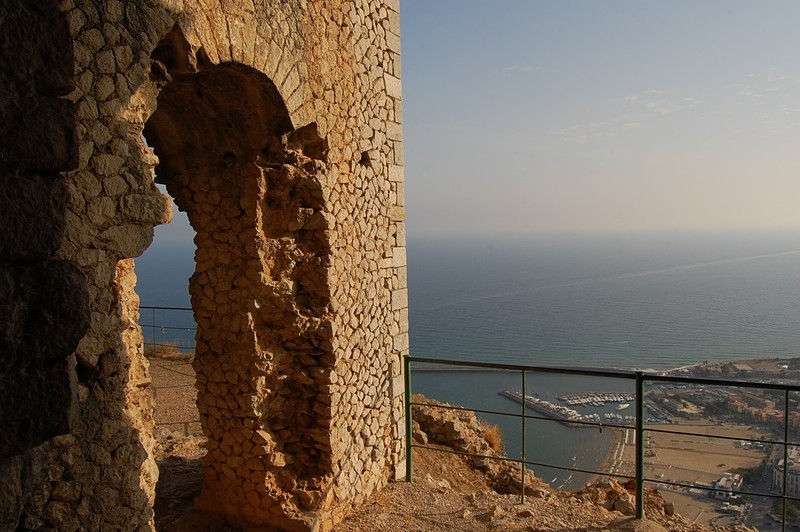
279	132
43	301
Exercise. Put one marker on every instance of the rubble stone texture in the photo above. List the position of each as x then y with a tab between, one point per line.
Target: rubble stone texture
276	125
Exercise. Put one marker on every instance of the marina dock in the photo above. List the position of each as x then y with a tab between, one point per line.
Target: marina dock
563	414
572	418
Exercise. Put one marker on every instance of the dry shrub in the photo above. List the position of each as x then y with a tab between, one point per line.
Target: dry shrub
493	436
166	350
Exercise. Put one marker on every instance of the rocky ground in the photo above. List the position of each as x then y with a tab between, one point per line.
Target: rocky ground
448	492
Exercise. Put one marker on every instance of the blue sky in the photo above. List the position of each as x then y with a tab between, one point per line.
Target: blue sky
528	116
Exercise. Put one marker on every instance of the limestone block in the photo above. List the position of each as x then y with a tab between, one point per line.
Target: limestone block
399	299
397	213
399	257
44	312
99	133
113	10
146	208
104	87
34	226
127	240
398	152
395	173
107	164
28	391
393	86
37	47
76	19
93	39
40	136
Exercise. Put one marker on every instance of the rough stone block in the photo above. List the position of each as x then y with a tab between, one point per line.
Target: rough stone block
37	404
399	257
32	216
142	208
394	131
40	136
395	173
127	241
44	312
393	44
399	299
36	47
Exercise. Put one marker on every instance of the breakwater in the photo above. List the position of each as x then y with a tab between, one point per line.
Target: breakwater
563	414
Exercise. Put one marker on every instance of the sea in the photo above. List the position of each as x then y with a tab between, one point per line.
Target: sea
624	300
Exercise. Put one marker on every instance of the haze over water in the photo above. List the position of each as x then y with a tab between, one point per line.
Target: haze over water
613	300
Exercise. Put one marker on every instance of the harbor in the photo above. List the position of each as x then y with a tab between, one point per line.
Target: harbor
620	401
598	399
563	414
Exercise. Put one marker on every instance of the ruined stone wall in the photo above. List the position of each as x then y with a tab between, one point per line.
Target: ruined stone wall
44	305
277	127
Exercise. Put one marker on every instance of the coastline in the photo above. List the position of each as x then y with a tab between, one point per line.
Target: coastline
758	367
613	461
615	453
670	461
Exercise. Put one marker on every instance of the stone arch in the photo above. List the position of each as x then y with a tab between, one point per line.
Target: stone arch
253	189
325	428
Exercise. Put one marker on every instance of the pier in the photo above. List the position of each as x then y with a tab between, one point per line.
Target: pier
566	416
572	418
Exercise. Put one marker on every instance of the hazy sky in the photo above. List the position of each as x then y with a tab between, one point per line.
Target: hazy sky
527	116
524	116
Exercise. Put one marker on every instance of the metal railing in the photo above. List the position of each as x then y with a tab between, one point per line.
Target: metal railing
639	379
160	334
169	340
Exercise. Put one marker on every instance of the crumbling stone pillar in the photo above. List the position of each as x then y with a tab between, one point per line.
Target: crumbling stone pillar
260	293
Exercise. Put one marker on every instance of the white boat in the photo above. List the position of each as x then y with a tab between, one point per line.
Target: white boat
623	406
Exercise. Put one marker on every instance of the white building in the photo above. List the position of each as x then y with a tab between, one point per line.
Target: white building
792	474
729	481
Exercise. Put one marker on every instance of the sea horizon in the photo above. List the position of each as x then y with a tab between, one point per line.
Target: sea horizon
624	300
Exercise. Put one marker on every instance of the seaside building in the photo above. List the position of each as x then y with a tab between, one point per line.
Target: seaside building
729	481
757	401
792	474
794	421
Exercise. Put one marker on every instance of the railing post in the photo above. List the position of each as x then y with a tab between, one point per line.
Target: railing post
639	445
153	347
522	468
407	396
785	457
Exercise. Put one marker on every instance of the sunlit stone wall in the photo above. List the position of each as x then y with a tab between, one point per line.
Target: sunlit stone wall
277	127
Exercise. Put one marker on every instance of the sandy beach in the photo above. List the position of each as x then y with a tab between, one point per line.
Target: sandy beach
686	459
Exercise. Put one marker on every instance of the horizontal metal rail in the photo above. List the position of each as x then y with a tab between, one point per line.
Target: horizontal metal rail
639	378
155	326
145	307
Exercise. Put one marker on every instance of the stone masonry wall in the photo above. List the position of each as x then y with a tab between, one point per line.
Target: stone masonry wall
44	304
277	126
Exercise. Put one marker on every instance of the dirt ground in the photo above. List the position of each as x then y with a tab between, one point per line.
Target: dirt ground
175	394
446	494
